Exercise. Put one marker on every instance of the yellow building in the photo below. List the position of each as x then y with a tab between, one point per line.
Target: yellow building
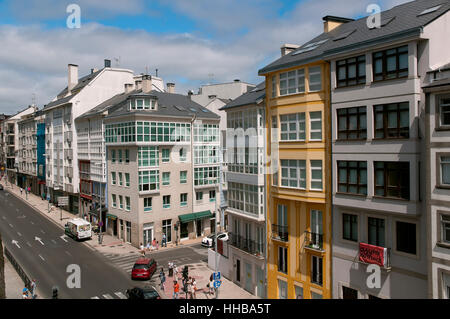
299	192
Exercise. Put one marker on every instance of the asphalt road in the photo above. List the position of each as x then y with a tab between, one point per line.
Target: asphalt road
45	256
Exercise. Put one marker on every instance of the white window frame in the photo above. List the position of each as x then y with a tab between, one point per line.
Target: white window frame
297	119
312	71
148	208
311	130
442	163
315	168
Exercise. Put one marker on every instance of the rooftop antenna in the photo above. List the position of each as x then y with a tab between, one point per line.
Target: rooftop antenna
33	99
117	61
156	72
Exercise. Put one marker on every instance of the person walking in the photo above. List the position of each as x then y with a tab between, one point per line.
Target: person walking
194	288
211	285
147	247
176	289
142	250
21	191
25	293
162	277
189	288
157	245
33	289
154	244
170	269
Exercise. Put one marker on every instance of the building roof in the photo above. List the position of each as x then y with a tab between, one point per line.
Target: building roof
250	97
437	83
400	21
82	82
169	104
444	67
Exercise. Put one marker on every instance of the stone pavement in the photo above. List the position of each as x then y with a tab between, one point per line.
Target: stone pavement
13	282
113	245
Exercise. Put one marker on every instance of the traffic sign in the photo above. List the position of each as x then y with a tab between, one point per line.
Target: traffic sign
63	201
217	275
217	283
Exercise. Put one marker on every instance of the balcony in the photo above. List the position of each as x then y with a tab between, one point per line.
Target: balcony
68	154
68	171
68	136
68	188
280	233
314	241
371	254
247	245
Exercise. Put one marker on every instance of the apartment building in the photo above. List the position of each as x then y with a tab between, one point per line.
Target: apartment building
80	95
162	166
245	179
298	190
437	165
27	158
10	143
378	150
90	129
3	118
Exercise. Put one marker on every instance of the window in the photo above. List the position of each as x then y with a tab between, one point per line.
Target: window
127	179
391	120
198	196
147	204
316	228
443	111
445	229
445	170
127	156
349	293
165	155
315	295
352	123
182	154
315	119
113	156
114	200
243	197
352	177
392	179
390	64
316	270
376	231
183	177
274	86
167	229
315	79
148	156
120	179
127	203
113	178
212	196
293	173
120	156
282	289
316	175
206	175
298	292
166	201
293	127
166	178
148	180
350	227
406	237
183	199
120	202
351	71
292	82
282	260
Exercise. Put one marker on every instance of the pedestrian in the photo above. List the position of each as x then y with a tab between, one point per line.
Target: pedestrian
157	245
176	289
211	285
154	244
142	250
194	288
189	288
162	277
33	289
21	191
147	247
25	293
170	269
164	244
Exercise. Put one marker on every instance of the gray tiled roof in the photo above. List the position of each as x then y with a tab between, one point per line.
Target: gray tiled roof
437	83
405	21
169	104
250	97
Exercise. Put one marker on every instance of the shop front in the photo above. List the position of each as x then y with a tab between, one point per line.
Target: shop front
195	225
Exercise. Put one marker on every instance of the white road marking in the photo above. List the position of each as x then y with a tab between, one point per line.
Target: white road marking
53	241
19	234
11	226
120	295
95	297
29	244
42	231
14	242
39	240
42	257
32	223
3	217
68	253
108	296
63	237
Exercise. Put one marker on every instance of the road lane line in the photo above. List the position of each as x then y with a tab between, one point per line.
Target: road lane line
11	226
108	296
19	234
42	257
42	231
31	222
29	244
53	241
120	295
95	297
68	253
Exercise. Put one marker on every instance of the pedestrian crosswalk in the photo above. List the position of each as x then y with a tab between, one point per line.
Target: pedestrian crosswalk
115	295
124	262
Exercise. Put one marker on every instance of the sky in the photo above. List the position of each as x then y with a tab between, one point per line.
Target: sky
190	42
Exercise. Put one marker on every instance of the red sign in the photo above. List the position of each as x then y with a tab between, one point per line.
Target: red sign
372	254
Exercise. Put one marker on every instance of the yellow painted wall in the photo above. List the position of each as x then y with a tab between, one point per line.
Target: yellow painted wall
300	202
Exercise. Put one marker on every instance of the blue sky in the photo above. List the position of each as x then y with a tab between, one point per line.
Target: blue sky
191	42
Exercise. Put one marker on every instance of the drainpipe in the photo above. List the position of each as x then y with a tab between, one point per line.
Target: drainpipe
192	165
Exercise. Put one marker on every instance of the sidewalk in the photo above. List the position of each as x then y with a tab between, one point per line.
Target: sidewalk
13	282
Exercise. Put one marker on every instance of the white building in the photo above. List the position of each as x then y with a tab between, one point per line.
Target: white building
80	95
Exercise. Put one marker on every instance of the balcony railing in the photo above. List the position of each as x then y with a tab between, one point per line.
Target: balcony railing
247	245
280	232
313	241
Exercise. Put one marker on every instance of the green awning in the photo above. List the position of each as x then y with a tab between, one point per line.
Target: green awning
186	218
113	217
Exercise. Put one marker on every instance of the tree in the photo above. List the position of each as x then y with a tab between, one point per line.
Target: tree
2	271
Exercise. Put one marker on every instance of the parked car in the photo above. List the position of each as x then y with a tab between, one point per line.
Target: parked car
142	293
209	240
144	268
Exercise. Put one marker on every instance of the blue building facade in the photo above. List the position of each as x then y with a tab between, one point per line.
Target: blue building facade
40	141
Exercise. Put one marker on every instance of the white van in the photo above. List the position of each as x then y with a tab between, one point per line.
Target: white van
78	228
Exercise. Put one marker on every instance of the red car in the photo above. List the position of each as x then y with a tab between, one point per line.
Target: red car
144	268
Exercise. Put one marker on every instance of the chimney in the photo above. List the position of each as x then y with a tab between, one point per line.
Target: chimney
170	87
107	63
138	84
93	70
237	80
73	77
331	22
288	48
128	87
190	93
146	83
